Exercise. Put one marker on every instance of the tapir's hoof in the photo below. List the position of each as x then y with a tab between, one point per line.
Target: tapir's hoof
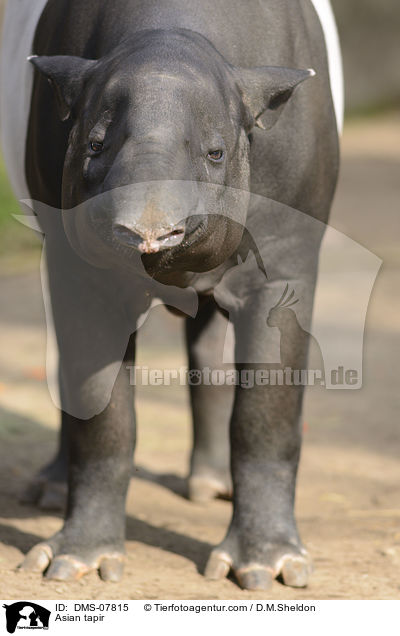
38	558
296	571
202	489
46	494
294	568
255	577
71	567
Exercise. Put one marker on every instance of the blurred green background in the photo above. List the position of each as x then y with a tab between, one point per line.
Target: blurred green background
19	246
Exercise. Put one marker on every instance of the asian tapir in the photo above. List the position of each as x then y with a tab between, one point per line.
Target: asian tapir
155	138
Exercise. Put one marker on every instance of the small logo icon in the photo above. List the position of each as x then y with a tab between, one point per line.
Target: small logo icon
26	615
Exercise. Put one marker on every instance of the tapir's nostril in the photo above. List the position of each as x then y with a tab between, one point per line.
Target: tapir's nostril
148	242
126	236
171	239
172	234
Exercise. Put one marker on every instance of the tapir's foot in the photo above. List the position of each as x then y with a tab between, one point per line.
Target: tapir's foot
209	484
60	563
48	489
288	561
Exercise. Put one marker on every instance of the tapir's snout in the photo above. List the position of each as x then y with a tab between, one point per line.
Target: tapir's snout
153	217
151	241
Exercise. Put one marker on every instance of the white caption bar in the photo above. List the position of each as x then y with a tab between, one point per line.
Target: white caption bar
200	617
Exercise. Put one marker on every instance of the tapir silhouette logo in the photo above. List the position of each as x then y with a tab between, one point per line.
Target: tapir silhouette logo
26	615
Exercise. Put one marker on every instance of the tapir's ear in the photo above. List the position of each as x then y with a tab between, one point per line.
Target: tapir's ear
66	74
265	91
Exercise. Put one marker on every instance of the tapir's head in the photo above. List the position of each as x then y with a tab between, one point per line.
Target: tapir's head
160	144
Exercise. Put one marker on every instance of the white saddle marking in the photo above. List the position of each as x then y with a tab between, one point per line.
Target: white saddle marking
327	19
16	77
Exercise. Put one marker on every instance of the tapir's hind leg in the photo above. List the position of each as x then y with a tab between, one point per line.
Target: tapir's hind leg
48	489
211	406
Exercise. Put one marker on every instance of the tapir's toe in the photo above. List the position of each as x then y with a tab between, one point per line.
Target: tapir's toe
218	566
67	567
294	567
254	577
38	558
111	568
57	566
296	570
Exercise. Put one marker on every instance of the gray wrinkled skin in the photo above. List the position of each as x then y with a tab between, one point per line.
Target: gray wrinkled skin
159	97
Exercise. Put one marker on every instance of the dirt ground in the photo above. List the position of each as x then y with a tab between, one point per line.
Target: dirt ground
348	497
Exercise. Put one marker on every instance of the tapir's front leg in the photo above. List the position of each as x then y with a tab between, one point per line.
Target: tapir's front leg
100	468
93	325
263	541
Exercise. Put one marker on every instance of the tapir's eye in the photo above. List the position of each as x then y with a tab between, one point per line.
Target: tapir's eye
96	146
215	155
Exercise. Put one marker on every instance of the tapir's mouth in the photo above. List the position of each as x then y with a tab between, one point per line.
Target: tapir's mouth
166	241
171	254
148	242
154	232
